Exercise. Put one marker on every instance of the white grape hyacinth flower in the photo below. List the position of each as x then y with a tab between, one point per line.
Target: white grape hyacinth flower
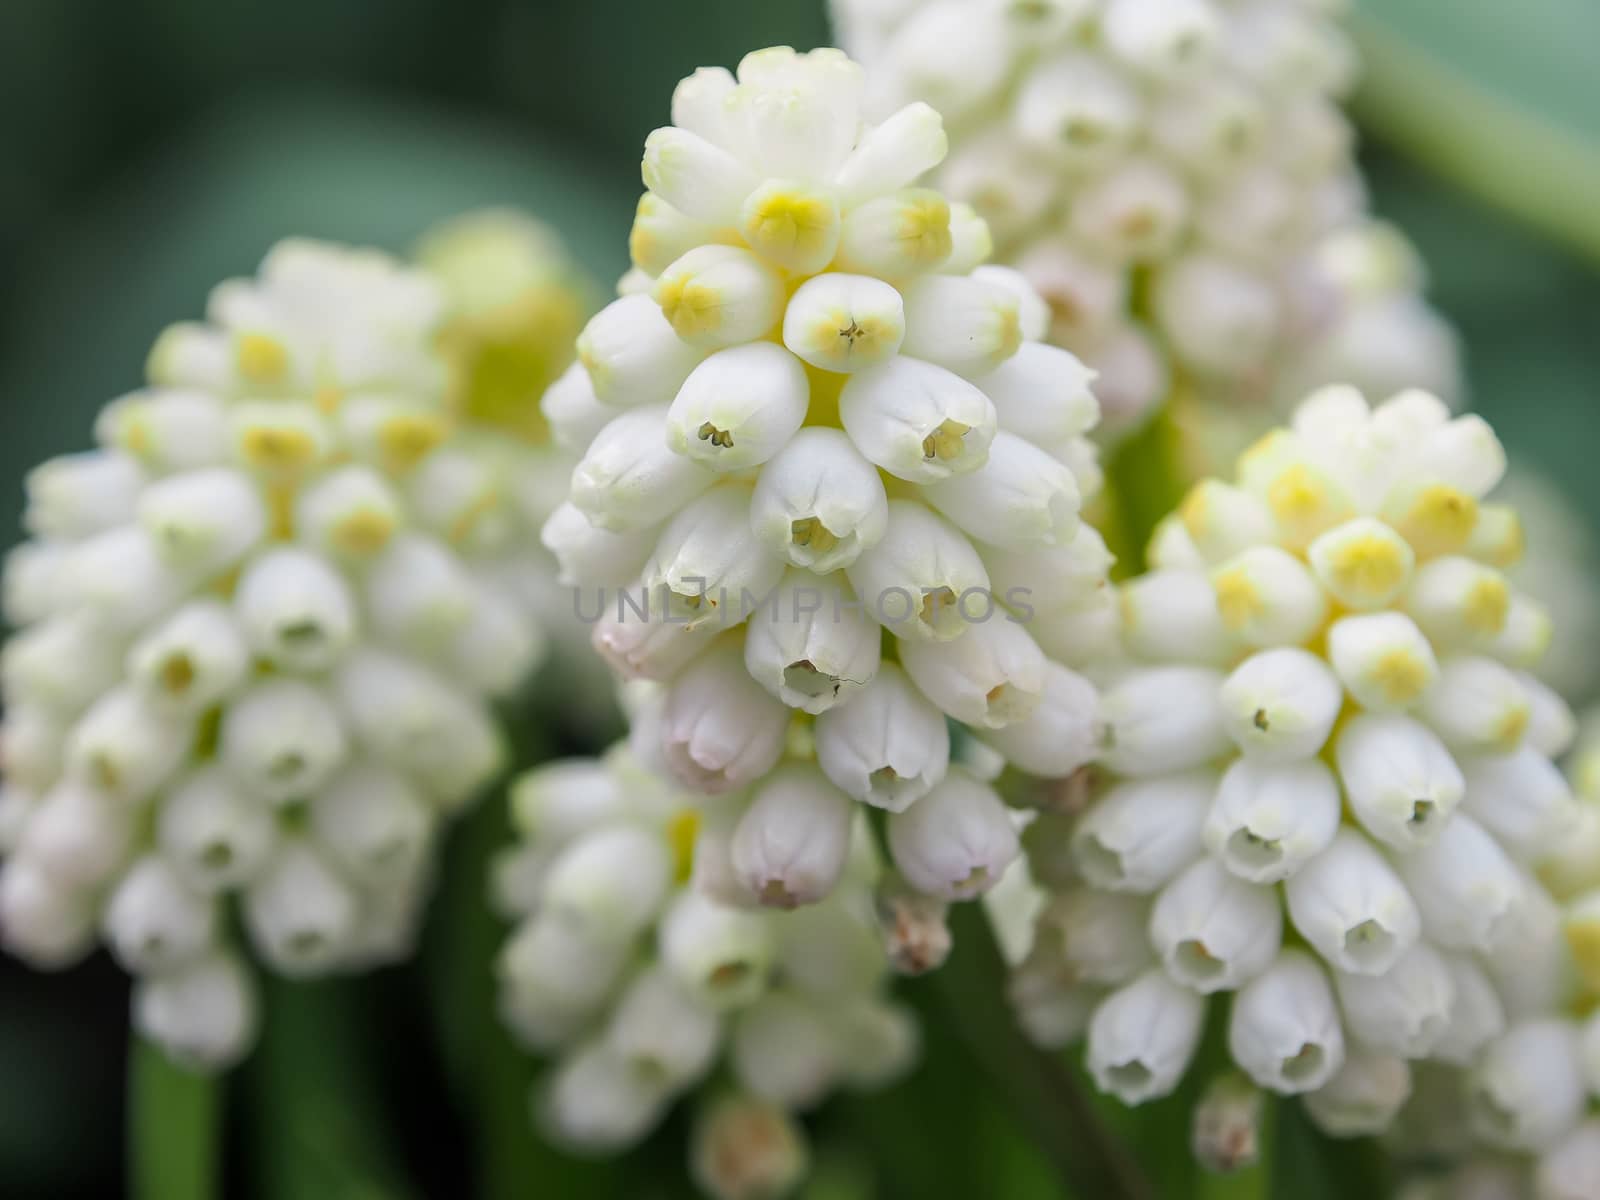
1332	793
1177	179
830	496
258	629
642	958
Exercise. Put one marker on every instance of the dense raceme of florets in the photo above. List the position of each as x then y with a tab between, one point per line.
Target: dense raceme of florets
642	963
1176	179
257	630
1328	786
830	487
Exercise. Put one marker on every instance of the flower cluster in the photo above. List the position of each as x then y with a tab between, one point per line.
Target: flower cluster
811	420
640	959
1330	784
258	629
1176	178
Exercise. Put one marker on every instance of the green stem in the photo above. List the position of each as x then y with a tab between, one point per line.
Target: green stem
1481	140
1045	1099
316	1105
1144	482
174	1128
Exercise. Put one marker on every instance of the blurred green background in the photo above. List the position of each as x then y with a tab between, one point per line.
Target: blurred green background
154	147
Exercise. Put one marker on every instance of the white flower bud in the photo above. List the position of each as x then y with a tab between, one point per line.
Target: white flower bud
1214	931
1459	603
168	430
915	579
1099	937
418	723
350	513
744	1148
1522	799
1208	125
373	823
1363	1099
1526	636
954	842
1142	832
586	554
44	920
844	323
1552	728
1280	705
1222	521
699	179
639	648
1161	37
120	581
1400	780
573	411
281	739
739	407
1078	109
1042	393
892	153
295	610
610	882
1019	497
78	495
1383	659
127	746
1465	887
1064	576
1087	298
629	478
1284	1029
1476	1018
553	978
299	913
1226	1132
834	950
1219	316
661	234
77	836
153	921
418	593
719	295
1268	820
888	747
720	729
632	354
1136	211
790	845
818	503
808	649
596	1102
32	576
1571	1169
1062	732
916	420
215	836
722	955
966	325
1404	1011
1170	615
662	1031
1478	707
990	677
1363	563
1162	719
203	520
203	1013
707	567
782	1050
192	660
1143	1037
1526	1091
1267	597
1351	906
897	236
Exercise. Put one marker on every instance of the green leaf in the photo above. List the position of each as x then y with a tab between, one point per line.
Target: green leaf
174	1126
1499	98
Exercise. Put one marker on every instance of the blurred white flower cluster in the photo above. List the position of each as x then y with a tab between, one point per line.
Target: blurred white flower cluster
639	959
1176	179
1330	783
812	419
258	628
